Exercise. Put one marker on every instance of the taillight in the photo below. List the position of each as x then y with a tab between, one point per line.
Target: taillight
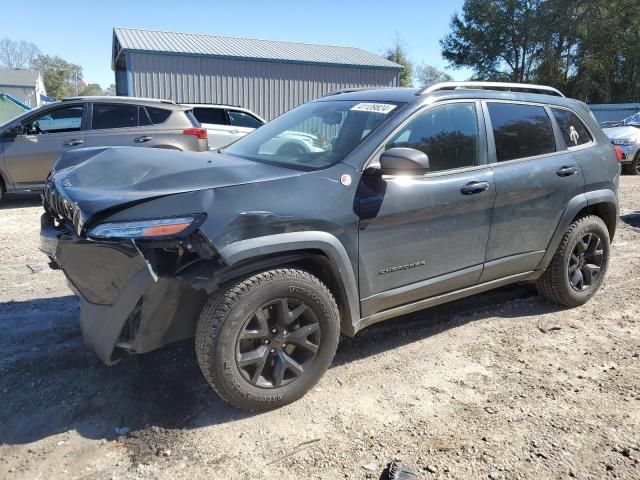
618	152
200	133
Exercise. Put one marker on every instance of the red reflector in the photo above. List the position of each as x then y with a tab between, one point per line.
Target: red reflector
200	133
618	152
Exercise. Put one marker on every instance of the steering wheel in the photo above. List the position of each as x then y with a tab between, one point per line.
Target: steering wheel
292	149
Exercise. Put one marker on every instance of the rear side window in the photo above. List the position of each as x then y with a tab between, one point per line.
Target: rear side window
158	115
448	134
215	116
521	131
573	130
114	116
242	119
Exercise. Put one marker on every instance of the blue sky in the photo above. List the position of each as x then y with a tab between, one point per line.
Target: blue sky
81	31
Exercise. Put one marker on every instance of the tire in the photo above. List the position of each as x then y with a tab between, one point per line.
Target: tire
634	167
244	349
561	281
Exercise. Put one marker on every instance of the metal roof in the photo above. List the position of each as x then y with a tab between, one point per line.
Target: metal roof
243	48
19	78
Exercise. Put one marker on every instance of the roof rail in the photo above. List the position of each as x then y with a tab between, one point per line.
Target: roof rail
349	90
509	87
116	98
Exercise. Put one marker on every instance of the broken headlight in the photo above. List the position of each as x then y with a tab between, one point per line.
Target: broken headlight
147	229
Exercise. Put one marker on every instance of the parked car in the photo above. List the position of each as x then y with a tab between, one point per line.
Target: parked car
627	138
30	143
416	198
224	123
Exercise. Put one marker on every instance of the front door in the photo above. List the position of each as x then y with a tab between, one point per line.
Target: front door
422	236
30	156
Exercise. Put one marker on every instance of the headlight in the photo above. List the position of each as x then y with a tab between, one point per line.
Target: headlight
146	229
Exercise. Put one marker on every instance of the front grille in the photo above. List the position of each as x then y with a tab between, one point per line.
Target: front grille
59	207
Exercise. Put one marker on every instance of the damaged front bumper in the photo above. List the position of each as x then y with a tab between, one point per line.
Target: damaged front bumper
126	304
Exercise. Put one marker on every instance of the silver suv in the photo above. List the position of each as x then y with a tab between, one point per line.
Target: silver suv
30	143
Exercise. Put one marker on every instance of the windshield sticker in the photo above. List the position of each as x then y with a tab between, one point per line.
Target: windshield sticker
373	107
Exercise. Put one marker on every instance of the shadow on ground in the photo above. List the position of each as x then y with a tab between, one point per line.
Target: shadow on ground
19	200
51	382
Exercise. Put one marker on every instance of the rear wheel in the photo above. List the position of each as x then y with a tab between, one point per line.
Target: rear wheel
579	265
263	342
634	168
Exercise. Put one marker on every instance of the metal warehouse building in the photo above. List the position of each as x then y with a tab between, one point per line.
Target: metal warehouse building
268	77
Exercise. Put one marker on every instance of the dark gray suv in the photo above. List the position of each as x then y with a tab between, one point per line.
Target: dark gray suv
32	142
402	200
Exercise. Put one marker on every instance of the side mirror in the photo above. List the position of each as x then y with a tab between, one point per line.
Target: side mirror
13	131
407	161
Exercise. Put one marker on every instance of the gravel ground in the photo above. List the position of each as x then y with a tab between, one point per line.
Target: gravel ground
502	385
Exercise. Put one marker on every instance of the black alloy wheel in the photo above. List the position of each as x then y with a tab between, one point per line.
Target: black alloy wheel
278	343
585	262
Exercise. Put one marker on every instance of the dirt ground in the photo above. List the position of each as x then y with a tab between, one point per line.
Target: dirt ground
502	385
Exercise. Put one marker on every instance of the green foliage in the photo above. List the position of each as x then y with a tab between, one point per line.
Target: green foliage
91	89
60	77
398	54
427	75
586	48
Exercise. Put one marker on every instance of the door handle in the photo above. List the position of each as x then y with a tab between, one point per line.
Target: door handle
142	139
474	187
566	171
73	142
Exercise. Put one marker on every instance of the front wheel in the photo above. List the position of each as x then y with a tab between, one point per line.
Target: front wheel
579	265
264	341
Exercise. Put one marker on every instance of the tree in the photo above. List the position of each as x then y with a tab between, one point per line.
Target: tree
17	54
585	48
60	77
110	90
91	89
427	75
499	39
397	53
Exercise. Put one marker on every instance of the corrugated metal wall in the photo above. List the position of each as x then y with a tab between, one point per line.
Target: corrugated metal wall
612	112
267	88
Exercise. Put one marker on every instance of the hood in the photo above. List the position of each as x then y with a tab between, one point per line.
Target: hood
621	133
97	179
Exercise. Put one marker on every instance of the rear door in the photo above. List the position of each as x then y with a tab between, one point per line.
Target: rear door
30	156
120	124
216	121
424	235
535	176
242	123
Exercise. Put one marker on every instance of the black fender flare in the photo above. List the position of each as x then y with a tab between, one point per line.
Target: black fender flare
574	207
293	242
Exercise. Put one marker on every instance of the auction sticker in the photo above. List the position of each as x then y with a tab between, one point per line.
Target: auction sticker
373	107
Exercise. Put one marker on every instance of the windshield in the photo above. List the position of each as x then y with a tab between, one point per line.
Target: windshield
633	120
314	135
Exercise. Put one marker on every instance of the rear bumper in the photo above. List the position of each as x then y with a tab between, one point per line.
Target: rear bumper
628	153
125	307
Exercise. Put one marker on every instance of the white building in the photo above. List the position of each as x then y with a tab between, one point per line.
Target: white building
23	85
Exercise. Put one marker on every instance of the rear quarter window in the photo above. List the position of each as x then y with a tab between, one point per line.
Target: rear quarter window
521	131
573	130
158	115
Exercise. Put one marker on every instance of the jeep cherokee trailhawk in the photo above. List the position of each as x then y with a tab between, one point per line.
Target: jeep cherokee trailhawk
409	198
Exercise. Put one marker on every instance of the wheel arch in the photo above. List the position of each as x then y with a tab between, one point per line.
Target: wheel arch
319	253
602	203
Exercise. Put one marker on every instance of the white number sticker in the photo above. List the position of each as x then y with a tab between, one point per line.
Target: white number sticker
373	107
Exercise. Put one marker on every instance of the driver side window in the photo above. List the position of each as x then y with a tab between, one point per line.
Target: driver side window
448	134
59	120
